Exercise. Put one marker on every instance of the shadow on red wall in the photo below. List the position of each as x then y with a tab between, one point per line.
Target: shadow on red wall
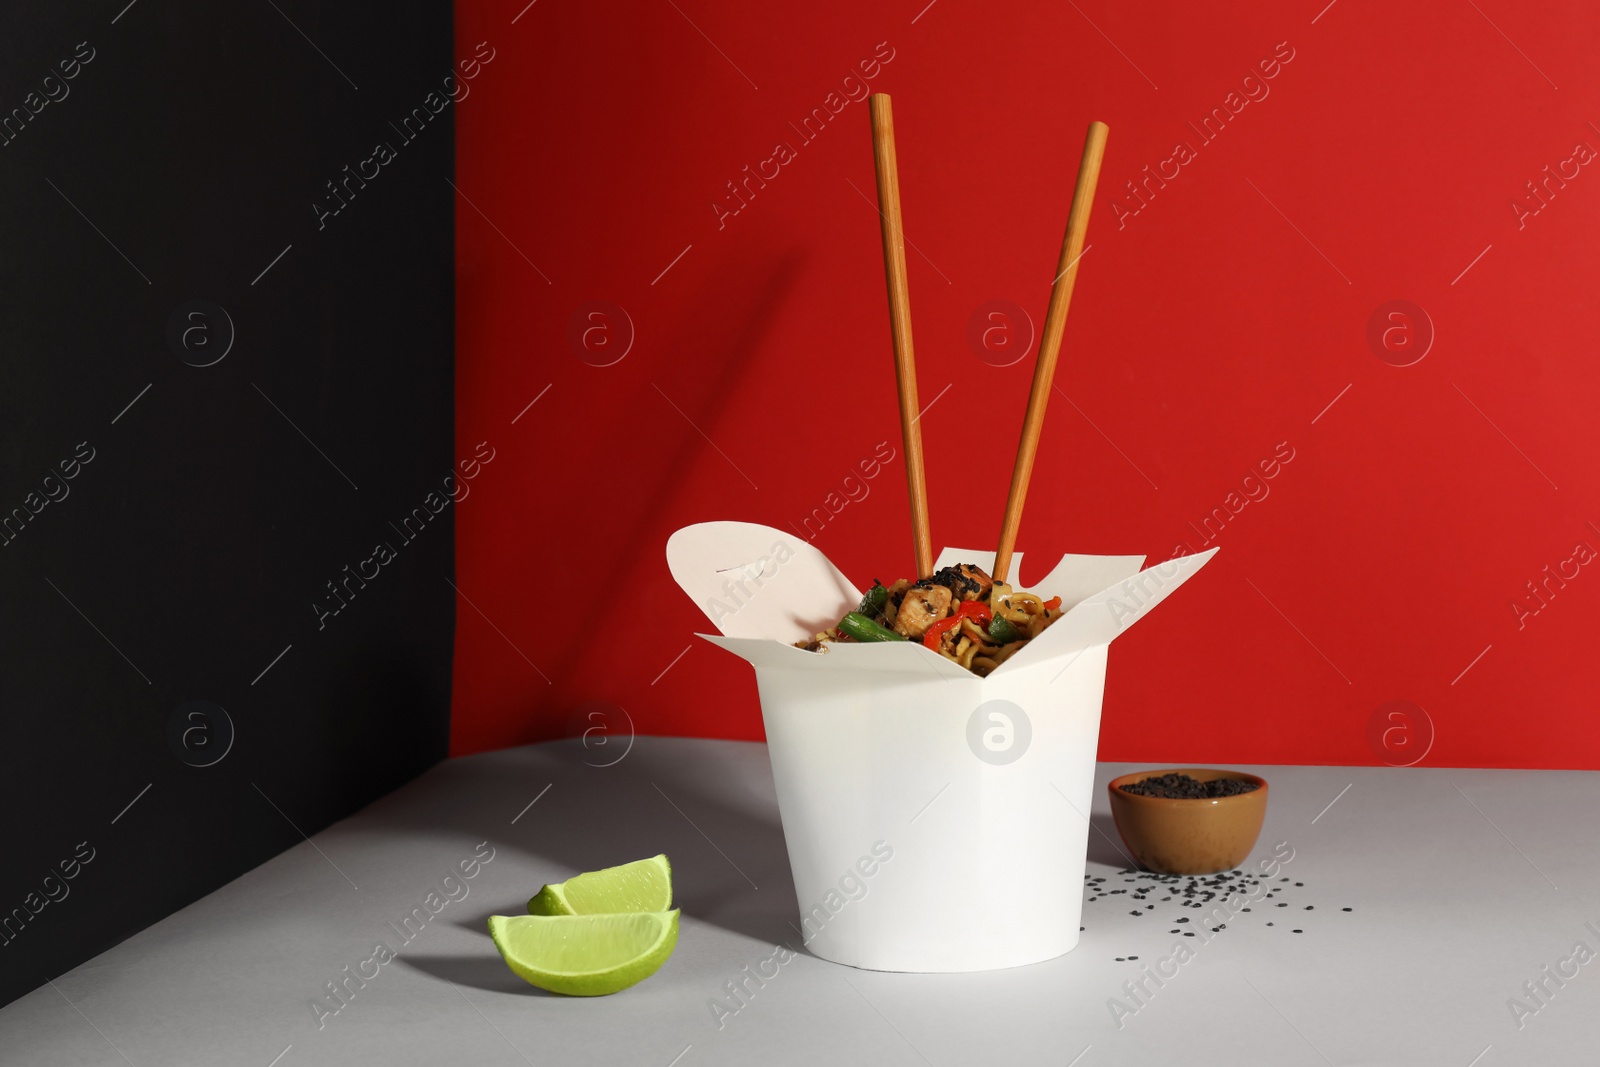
1335	316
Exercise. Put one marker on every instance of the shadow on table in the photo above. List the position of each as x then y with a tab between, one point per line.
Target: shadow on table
730	865
481	971
1106	845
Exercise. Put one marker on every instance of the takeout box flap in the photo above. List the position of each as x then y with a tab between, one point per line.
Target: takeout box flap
1101	617
765	589
755	581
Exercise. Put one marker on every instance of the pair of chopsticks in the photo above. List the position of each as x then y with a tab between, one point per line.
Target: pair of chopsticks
894	261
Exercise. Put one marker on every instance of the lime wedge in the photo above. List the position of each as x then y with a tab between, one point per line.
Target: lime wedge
644	885
585	955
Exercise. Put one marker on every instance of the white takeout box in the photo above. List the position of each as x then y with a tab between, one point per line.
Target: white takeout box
935	820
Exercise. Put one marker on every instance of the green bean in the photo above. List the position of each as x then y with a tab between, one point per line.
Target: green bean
862	628
874	600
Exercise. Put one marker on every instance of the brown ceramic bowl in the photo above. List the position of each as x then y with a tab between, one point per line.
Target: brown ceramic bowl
1189	836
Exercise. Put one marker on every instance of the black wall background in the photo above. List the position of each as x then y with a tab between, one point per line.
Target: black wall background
185	556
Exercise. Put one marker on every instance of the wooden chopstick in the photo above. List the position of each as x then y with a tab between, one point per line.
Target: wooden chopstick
1055	321
905	368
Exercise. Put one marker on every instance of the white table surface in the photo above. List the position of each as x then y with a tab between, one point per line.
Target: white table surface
1463	885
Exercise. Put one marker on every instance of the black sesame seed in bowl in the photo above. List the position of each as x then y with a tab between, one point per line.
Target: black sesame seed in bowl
1181	787
1188	820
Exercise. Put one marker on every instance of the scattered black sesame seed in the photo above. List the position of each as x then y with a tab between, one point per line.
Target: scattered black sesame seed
1349	909
1309	907
1299	931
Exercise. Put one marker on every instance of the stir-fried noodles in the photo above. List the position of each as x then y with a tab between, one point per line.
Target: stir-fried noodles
959	612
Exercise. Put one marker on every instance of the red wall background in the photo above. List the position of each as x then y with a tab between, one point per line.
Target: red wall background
1381	162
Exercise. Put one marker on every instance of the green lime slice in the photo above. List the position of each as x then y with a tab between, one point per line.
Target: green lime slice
644	885
585	955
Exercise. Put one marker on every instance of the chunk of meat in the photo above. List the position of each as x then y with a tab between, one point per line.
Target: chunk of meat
921	608
975	575
897	592
964	581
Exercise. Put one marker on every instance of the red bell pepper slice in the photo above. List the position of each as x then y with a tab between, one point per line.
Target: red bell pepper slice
976	610
931	638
